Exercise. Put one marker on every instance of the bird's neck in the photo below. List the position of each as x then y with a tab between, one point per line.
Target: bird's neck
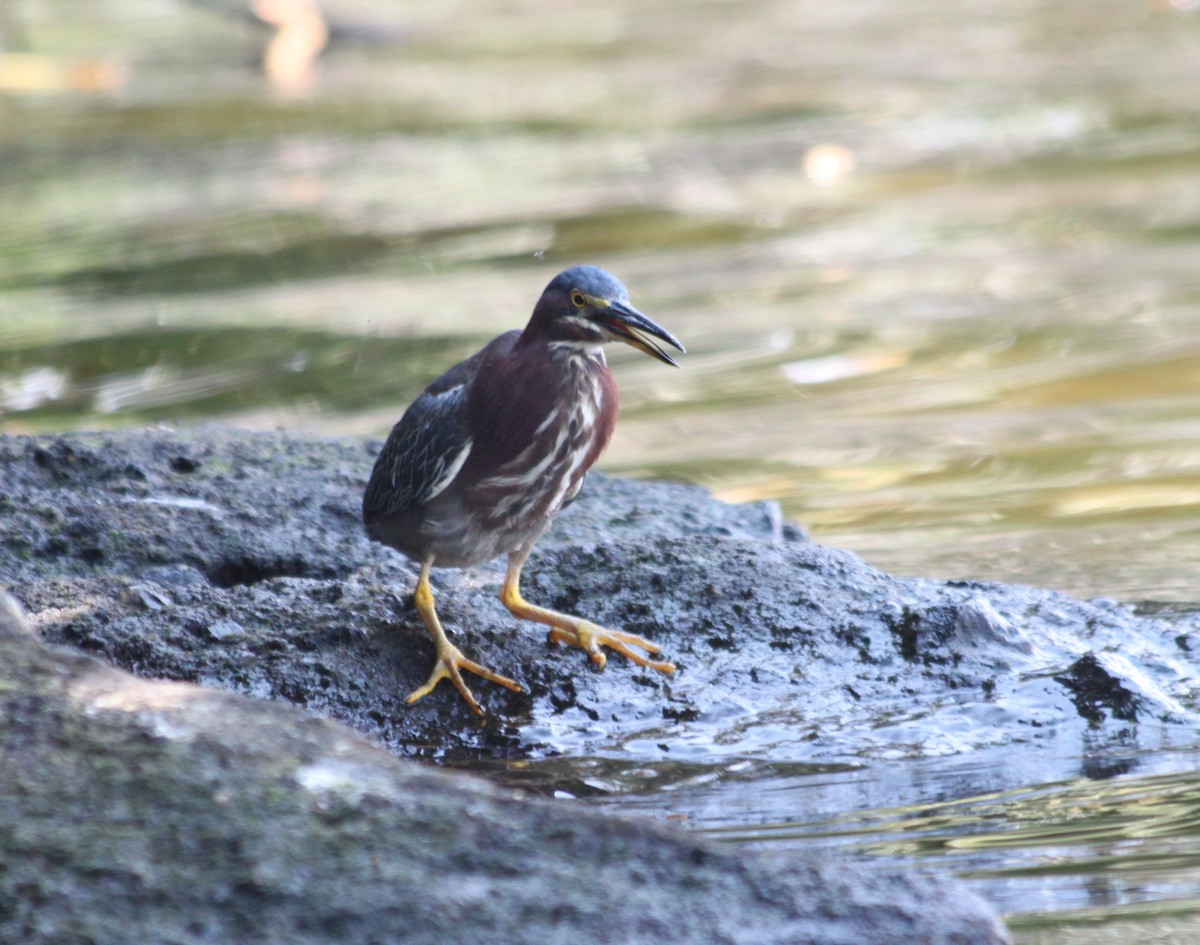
541	375
578	354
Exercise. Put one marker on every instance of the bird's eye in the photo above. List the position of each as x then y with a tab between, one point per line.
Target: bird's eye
577	299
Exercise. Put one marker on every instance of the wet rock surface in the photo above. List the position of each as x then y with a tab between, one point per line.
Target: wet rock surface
237	560
135	810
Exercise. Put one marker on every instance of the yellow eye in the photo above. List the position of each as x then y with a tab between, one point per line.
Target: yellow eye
577	299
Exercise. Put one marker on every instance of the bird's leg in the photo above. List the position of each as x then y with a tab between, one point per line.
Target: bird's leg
449	658
574	630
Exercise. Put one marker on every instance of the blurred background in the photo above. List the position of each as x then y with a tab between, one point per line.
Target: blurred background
936	264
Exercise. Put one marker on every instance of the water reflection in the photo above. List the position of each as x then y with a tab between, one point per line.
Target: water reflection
301	33
178	374
1115	833
1111	835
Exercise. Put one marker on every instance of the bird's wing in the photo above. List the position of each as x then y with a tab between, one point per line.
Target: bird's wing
422	455
428	447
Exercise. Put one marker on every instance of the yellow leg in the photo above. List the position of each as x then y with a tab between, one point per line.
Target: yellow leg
574	631
449	658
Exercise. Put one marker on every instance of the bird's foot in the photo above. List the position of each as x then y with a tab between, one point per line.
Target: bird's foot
449	663
589	637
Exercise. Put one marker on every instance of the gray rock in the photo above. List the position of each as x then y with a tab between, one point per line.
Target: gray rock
238	560
142	811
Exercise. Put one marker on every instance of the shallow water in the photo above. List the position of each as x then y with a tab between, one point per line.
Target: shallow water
936	266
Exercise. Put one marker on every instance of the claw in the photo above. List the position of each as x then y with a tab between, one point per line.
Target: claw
589	637
449	662
449	657
575	631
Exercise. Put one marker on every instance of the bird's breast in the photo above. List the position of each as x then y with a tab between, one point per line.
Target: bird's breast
547	472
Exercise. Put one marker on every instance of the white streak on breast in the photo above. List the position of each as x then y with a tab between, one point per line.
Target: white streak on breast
546	484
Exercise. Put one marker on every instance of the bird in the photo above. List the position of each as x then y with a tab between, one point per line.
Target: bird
483	460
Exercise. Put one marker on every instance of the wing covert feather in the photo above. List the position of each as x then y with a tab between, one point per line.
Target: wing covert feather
423	453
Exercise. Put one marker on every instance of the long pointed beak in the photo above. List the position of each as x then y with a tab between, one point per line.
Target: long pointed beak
637	331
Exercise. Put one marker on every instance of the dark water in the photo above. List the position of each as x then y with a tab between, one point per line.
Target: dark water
936	265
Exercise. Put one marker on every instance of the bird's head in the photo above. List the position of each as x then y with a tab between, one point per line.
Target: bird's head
588	306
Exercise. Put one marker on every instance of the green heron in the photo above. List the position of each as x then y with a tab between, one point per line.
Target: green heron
493	449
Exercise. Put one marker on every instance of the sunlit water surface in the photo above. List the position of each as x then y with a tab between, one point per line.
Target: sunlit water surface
935	264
